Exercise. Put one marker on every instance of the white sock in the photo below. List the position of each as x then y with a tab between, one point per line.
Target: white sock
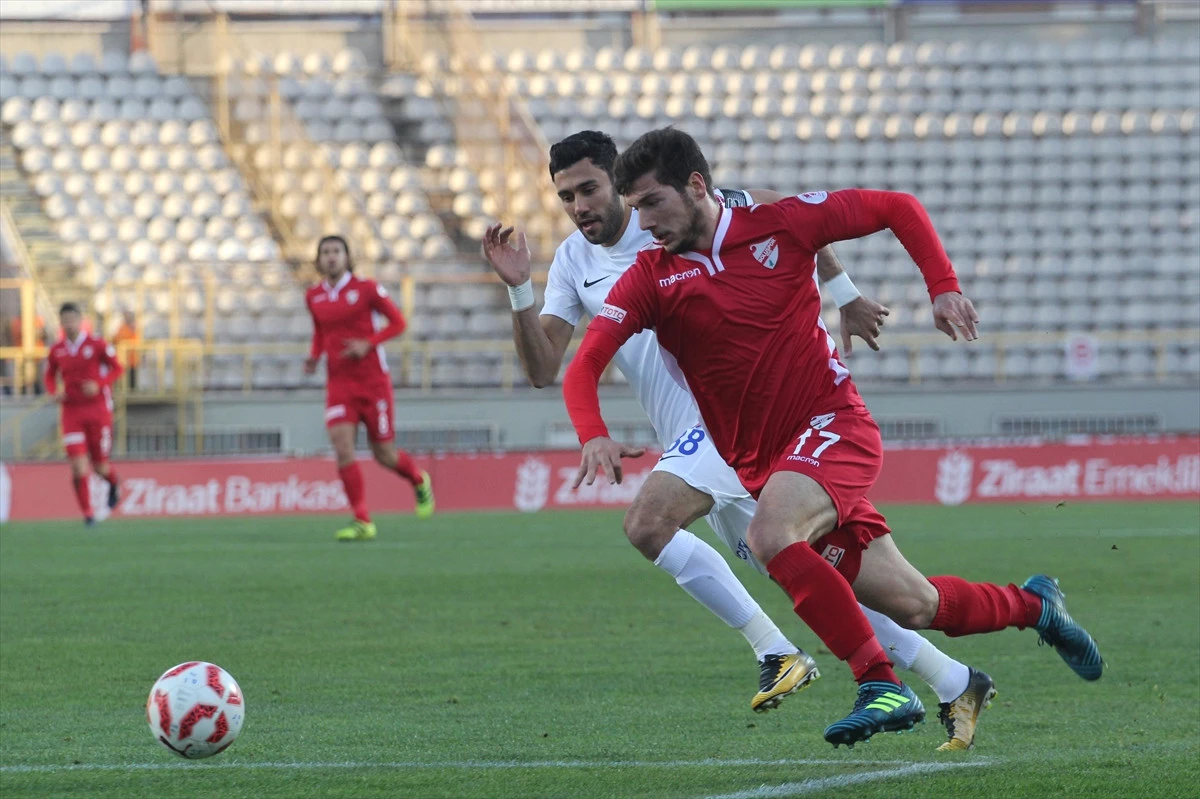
900	644
947	677
703	573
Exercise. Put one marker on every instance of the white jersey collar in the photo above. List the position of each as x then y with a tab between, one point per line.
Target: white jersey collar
73	346
332	291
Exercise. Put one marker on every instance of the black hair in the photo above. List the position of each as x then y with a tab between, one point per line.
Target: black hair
345	246
69	307
597	147
670	154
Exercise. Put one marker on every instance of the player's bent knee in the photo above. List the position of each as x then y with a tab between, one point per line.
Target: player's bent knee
384	455
649	530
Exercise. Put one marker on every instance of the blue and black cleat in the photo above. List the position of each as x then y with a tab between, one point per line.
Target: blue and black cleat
1057	628
880	707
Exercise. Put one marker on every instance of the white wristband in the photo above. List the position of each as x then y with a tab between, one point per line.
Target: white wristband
842	289
521	296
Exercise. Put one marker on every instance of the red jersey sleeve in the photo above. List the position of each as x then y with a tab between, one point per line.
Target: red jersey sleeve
108	357
318	340
632	305
628	310
51	373
381	303
817	219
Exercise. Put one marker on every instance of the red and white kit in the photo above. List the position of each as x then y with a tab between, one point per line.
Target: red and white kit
720	312
86	421
356	390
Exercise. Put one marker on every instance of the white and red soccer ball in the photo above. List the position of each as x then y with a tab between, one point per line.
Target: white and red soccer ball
195	709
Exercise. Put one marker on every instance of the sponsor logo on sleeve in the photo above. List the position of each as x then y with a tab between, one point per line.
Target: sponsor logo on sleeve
612	312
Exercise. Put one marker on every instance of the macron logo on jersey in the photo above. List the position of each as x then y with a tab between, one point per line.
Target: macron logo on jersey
612	312
766	252
673	279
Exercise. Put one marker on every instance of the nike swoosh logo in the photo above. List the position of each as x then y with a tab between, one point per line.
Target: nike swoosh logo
588	285
668	457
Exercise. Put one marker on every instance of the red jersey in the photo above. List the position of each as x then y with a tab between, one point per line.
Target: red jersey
346	311
86	358
743	320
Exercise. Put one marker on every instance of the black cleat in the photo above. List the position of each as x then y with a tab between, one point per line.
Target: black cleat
880	707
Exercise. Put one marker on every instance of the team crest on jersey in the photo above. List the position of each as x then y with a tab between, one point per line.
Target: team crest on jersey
87	351
766	252
813	197
822	421
352	296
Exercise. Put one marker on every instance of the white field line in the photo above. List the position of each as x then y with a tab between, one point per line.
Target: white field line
817	785
448	764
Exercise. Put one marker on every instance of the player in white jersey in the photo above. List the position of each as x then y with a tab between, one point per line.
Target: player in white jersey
691	480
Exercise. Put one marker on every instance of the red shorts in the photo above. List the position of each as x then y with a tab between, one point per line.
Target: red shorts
370	405
841	450
843	546
87	431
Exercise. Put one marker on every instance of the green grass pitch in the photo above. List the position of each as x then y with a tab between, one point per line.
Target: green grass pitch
503	655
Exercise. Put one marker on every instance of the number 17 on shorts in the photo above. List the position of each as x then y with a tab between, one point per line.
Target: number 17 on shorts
841	451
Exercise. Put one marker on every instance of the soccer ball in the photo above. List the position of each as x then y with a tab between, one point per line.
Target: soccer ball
195	709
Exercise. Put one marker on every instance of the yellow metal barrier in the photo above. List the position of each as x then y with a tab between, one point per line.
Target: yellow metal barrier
174	370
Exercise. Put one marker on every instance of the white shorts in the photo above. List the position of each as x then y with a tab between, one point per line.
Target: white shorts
695	461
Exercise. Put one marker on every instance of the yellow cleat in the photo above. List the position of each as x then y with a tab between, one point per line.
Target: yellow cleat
780	676
357	531
424	494
960	716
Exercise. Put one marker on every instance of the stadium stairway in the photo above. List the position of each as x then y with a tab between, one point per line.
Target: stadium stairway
34	227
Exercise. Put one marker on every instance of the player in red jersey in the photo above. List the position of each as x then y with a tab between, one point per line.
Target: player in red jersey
358	388
88	367
730	294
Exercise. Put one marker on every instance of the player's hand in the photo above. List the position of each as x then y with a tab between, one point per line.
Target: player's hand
953	314
863	318
356	348
510	263
90	388
604	453
310	366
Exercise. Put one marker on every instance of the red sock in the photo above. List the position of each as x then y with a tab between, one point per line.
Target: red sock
406	467
356	492
111	477
83	495
824	600
966	608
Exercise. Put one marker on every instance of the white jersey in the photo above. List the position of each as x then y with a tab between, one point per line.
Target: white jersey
580	278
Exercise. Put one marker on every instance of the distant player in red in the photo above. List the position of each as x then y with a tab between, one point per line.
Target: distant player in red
731	296
358	388
88	368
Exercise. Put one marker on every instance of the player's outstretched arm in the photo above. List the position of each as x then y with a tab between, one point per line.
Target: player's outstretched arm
825	218
315	349
581	394
51	378
108	357
541	341
860	316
